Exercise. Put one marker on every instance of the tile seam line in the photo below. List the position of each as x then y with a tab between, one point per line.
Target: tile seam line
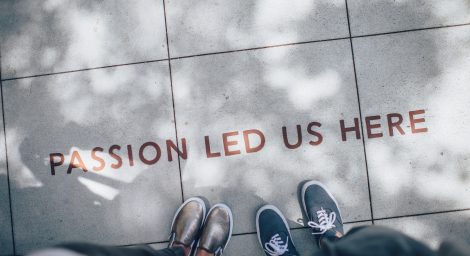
360	114
6	160
244	233
347	222
173	101
423	214
239	50
84	69
412	30
175	58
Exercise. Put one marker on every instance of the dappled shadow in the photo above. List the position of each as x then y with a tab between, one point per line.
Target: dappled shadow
245	95
420	70
54	36
231	25
257	89
389	16
80	111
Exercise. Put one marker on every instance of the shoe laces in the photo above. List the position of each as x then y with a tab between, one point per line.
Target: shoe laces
275	246
325	222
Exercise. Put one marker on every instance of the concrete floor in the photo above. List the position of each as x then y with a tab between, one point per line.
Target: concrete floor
377	91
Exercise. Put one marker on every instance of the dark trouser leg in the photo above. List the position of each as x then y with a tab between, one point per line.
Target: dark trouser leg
98	250
373	240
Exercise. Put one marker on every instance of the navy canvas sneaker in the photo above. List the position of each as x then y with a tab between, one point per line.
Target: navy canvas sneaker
322	211
273	232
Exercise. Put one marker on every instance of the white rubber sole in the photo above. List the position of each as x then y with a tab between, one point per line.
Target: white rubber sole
220	205
314	182
275	209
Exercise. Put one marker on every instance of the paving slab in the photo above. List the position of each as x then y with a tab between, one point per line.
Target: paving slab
54	36
266	90
434	228
159	246
123	198
302	238
426	169
381	16
6	241
196	27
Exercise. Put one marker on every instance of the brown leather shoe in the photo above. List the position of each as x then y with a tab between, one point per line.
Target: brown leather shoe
187	222
217	230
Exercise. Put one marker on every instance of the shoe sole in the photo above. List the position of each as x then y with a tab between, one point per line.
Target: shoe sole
276	210
314	182
199	200
231	223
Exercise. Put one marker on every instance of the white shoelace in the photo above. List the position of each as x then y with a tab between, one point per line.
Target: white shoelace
326	222
275	246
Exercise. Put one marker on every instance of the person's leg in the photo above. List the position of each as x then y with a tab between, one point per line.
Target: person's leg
273	232
374	240
99	250
185	228
325	220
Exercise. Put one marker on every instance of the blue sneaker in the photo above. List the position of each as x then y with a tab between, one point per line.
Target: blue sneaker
273	232
322	211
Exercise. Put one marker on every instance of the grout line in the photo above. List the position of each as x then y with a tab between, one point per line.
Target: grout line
84	69
348	222
360	114
260	48
245	233
423	214
411	30
6	160
240	50
173	101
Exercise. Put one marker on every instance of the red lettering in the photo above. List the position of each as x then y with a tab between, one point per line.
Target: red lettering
157	153
76	157
130	156
314	133
414	121
286	141
355	128
115	156
396	124
370	126
54	163
209	154
97	158
228	143
246	138
170	145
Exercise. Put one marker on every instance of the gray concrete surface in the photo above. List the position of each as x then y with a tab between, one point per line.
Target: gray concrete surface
56	36
277	74
207	26
422	172
6	240
266	90
383	16
127	105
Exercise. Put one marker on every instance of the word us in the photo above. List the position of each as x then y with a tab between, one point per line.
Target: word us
149	153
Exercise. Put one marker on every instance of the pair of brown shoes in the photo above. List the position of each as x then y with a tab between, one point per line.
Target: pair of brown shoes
192	228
